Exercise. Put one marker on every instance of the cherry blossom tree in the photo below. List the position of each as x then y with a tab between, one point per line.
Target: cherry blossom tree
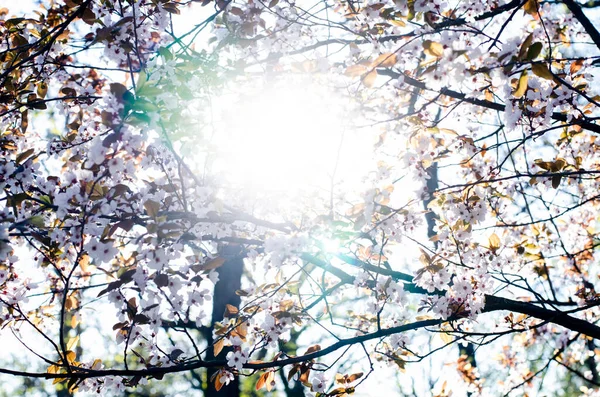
449	228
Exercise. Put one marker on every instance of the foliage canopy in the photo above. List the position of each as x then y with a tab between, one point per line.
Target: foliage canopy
131	248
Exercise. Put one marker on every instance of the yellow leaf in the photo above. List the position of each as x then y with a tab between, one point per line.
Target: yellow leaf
241	331
71	356
494	241
64	35
557	165
521	86
386	60
97	364
540	70
423	317
42	89
433	48
446	337
72	342
84	263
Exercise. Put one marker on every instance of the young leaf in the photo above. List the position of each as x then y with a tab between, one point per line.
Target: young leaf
534	51
369	79
540	70
213	263
218	346
531	7
72	342
152	208
386	60
433	48
261	381
521	86
312	349
494	241
524	49
230	311
355	70
556	181
270	382
218	384
293	372
576	66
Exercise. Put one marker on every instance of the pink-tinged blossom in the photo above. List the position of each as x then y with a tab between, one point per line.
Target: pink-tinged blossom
237	359
398	341
225	377
198	297
318	382
102	252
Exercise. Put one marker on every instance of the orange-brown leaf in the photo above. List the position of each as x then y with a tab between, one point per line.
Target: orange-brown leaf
218	384
576	66
261	381
386	60
230	311
218	346
354	377
355	70
312	349
369	79
531	7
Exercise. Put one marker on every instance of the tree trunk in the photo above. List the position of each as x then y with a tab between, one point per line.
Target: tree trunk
230	277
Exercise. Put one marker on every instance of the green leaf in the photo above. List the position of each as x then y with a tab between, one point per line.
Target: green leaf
525	47
152	208
165	53
540	70
534	51
37	221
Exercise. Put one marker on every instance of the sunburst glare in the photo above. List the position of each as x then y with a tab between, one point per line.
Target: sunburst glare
279	137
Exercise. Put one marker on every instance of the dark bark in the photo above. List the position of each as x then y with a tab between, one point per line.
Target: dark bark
230	275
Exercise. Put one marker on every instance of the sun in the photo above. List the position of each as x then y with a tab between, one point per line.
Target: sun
287	136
